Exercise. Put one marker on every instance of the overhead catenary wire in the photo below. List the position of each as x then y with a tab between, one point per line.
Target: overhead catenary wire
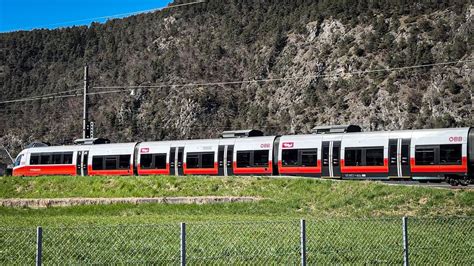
273	79
120	89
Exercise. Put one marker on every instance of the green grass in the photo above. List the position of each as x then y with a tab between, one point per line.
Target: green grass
284	198
350	222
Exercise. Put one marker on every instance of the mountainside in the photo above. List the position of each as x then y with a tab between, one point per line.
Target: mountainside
304	43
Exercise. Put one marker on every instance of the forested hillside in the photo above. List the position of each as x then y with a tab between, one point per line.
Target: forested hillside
305	42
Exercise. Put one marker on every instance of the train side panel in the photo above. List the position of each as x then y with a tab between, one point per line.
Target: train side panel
153	158
253	156
364	155
437	154
111	159
300	155
58	160
200	157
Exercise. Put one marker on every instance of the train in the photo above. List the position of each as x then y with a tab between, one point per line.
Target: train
339	152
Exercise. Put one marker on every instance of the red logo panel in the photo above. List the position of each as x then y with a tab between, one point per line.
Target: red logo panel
286	145
145	150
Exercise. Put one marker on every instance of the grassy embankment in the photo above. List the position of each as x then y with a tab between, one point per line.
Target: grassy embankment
284	198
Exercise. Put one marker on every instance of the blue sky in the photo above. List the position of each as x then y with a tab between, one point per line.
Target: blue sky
31	14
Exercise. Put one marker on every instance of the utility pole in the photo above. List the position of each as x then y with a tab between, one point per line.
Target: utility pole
85	122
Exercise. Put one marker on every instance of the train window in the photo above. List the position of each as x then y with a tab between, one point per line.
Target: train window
153	161
424	155
192	160
243	158
124	162
18	160
34	158
67	158
260	158
57	158
207	160
335	155
110	162
353	157
160	161
97	163
146	161
405	154
393	154
290	157
450	154
326	156
309	157
374	157
45	158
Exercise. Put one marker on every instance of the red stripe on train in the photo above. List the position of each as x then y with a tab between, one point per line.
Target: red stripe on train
201	171
253	170
36	170
462	168
299	169
365	169
154	171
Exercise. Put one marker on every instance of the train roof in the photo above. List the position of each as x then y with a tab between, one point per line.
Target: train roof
334	136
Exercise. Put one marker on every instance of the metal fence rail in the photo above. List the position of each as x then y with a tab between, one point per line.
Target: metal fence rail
319	241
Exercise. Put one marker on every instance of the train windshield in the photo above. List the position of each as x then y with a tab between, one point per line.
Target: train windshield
18	160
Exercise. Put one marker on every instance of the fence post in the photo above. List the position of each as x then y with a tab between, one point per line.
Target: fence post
39	245
405	241
303	241
183	244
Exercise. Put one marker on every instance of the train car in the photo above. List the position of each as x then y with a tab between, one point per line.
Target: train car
57	160
108	159
254	156
301	155
153	158
423	155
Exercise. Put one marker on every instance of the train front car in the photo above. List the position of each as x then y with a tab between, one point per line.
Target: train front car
20	164
58	160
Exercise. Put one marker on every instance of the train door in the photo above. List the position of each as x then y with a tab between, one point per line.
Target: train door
399	158
331	157
229	159
81	163
220	160
336	155
176	160
172	161
225	156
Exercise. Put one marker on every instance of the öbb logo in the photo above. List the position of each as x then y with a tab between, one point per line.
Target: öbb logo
455	139
265	145
287	144
145	150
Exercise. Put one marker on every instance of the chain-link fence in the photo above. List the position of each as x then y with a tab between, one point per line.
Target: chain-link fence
319	241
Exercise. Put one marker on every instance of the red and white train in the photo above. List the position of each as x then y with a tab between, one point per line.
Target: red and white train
424	155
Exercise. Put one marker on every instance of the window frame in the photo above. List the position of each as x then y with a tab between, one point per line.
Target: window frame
199	157
458	162
154	160
299	157
116	157
62	155
252	159
434	148
362	152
